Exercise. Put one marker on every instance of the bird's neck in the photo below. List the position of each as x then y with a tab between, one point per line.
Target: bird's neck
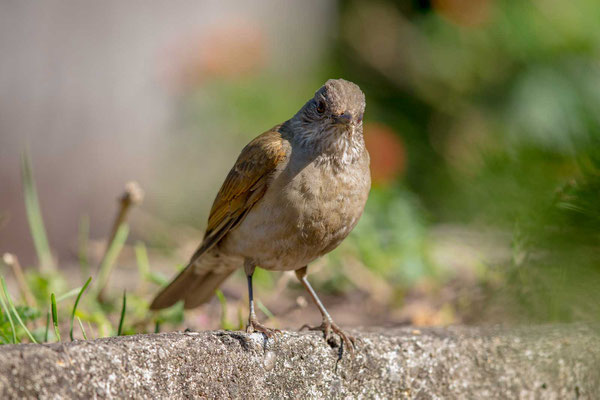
337	147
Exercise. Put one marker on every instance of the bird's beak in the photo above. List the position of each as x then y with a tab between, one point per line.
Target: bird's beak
345	118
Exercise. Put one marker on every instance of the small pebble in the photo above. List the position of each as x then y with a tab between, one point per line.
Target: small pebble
269	361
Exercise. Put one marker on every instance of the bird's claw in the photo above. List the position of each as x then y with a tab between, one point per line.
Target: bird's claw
328	326
255	326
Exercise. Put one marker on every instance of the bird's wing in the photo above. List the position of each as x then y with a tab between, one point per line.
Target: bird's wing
245	185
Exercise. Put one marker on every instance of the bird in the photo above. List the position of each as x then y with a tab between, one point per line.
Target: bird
294	194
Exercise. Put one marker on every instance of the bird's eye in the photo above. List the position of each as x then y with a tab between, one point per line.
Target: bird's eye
321	107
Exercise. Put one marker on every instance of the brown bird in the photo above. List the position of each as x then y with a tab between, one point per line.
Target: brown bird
294	193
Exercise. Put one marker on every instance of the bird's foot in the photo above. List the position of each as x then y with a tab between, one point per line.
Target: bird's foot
255	326
328	326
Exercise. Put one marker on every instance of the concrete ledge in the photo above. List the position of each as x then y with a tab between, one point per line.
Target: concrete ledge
560	362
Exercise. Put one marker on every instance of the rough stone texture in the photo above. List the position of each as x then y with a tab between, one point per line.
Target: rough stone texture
561	362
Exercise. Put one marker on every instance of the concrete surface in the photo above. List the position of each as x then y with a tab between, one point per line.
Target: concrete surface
548	362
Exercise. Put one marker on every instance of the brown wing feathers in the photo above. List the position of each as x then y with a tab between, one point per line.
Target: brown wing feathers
245	185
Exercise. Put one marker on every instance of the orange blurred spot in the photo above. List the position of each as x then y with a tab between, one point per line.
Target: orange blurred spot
234	50
464	12
388	158
229	50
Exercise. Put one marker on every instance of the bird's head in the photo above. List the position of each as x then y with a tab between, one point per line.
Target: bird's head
333	115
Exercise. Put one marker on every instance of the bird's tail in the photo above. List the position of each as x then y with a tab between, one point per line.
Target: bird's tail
197	283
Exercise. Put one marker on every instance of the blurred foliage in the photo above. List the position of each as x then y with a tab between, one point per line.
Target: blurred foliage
26	313
497	103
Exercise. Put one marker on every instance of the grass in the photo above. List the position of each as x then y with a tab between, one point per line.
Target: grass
6	312
82	329
34	215
100	313
123	309
110	258
14	310
55	316
75	307
82	245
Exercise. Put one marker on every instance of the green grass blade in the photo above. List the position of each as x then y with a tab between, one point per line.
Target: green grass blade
75	305
82	244
14	310
82	330
34	215
111	255
7	312
55	316
122	313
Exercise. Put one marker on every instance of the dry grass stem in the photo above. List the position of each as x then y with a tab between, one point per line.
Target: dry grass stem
132	196
12	261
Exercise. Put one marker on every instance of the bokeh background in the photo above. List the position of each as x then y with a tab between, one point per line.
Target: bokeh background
483	124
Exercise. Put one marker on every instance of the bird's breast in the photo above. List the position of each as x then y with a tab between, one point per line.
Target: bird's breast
308	209
328	204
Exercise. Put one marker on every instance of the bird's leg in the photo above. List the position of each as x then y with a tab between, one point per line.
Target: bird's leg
253	324
327	326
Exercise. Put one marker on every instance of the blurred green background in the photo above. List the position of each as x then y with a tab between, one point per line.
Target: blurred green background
483	124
